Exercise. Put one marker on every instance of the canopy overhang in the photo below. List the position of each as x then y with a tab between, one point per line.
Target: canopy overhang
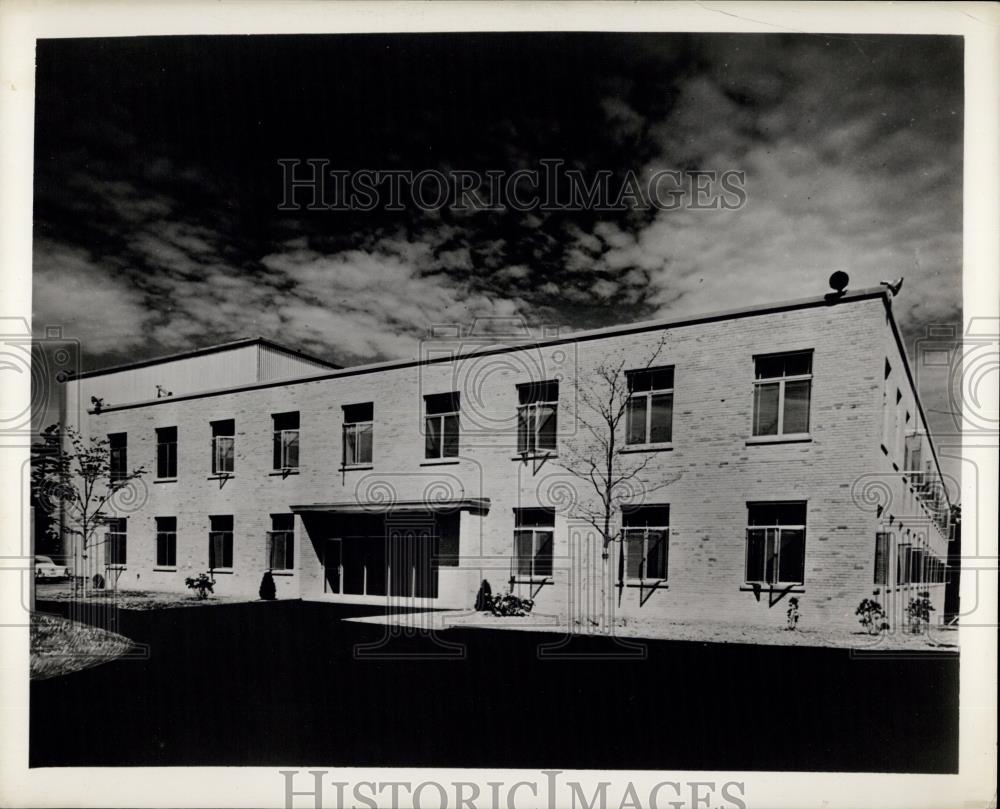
476	504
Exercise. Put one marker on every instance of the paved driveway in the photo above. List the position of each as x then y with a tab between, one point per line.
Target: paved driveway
287	683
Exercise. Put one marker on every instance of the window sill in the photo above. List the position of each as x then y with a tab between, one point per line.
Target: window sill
282	473
356	467
441	462
535	456
772	588
164	569
164	480
658	584
664	447
789	438
117	567
222	476
282	572
531	580
221	571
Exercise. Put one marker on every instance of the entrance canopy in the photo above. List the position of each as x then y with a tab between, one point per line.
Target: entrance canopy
476	504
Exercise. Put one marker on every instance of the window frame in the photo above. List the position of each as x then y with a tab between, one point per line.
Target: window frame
354	427
648	395
645	531
279	447
116	543
164	533
171	454
228	543
528	413
117	457
217	443
780	381
777	582
535	529
287	536
440	418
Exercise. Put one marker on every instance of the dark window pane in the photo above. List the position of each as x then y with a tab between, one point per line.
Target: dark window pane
442	403
282	522
635	420
661	419
643	516
776	513
525	437
755	554
661	378
791	556
432	438
522	550
634	541
448	540
881	558
356	413
797	406
291	442
524	517
450	436
765	409
365	443
546	427
770	554
224	427
543	553
285	421
532	392
350	445
656	555
639	381
800	363
769	367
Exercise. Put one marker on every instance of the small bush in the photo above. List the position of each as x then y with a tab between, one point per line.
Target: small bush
506	604
484	598
267	591
872	616
792	614
202	584
919	612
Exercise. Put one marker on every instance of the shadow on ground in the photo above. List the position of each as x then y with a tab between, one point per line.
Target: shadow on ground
279	684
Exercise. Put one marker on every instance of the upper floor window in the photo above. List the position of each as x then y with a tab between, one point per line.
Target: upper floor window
358	433
776	543
538	404
646	534
649	412
166	542
281	542
116	550
220	542
166	452
286	440
223	447
441	425
533	535
782	387
119	456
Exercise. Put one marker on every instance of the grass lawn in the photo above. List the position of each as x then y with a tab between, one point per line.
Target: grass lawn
60	646
292	683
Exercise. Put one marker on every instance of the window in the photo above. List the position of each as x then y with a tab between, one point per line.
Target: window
776	541
533	533
116	551
281	542
883	541
166	542
223	447
286	440
358	434
903	555
166	452
782	387
538	403
119	456
650	410
911	457
220	543
646	534
441	425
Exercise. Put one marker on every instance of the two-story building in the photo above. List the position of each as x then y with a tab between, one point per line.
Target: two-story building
763	452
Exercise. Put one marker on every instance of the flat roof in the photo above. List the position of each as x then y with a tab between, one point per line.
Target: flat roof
199	352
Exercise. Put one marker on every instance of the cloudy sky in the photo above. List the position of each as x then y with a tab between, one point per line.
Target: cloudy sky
157	226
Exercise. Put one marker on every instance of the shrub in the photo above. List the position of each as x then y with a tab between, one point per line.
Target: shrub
792	614
484	598
202	584
919	612
872	616
268	592
505	604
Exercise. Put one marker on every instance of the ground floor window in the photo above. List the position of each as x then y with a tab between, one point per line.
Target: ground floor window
116	542
645	531
776	542
533	538
166	542
883	541
220	542
903	563
281	542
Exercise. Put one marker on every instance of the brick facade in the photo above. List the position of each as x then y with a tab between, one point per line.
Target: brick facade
707	476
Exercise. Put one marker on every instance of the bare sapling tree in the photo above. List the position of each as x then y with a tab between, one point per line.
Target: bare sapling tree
80	477
612	478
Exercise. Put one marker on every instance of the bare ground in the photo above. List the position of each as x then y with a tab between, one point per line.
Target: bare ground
130	599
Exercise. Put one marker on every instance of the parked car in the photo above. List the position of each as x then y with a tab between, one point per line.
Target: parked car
45	568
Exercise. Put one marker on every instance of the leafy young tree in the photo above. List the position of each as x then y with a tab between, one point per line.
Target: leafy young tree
612	478
76	475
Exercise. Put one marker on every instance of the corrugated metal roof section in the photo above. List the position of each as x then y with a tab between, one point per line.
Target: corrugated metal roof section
274	362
